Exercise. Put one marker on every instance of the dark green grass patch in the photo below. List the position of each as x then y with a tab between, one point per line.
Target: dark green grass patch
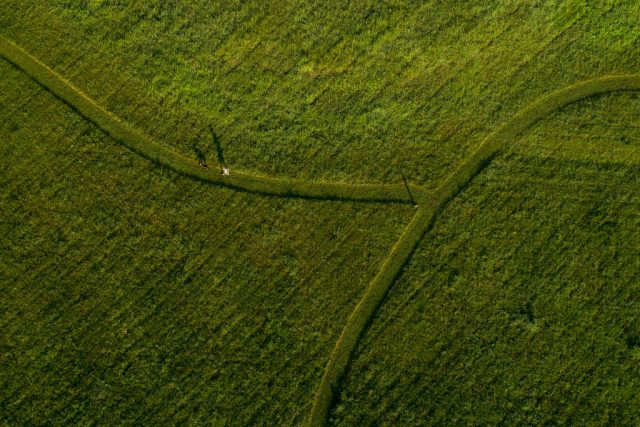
134	295
526	314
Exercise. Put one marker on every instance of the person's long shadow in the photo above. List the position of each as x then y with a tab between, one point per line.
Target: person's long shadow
200	155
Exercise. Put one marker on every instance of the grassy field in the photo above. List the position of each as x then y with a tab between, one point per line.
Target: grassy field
134	294
332	90
521	304
218	173
432	205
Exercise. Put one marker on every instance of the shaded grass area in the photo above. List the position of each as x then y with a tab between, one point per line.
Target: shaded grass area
332	90
604	129
519	307
134	295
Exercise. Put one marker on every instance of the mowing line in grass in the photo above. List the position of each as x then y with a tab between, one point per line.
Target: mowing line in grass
430	204
146	147
424	219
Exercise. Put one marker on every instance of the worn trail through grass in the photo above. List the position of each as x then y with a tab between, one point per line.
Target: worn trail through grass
429	208
430	204
156	152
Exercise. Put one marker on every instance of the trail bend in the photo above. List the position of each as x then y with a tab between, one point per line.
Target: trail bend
430	204
429	208
145	146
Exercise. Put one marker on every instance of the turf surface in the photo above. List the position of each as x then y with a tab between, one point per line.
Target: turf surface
132	293
332	92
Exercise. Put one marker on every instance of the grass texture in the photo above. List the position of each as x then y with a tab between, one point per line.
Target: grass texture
134	293
329	95
512	320
329	92
155	152
430	207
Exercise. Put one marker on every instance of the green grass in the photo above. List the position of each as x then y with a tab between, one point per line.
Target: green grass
422	221
331	91
155	152
314	100
526	314
133	294
431	206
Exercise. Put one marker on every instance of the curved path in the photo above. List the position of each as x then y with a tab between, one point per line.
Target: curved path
429	208
430	204
147	147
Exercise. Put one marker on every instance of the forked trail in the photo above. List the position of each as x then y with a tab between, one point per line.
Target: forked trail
430	204
428	209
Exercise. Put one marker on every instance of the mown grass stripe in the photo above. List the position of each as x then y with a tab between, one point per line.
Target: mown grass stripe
146	147
431	204
422	222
